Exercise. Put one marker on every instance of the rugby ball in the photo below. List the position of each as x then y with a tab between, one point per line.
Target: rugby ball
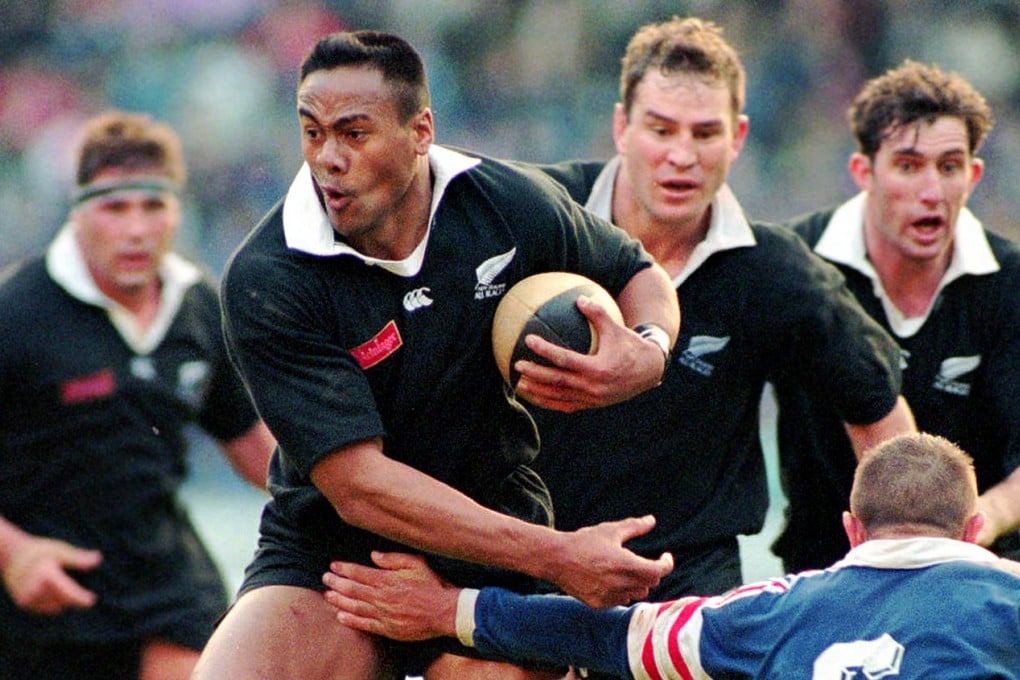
546	305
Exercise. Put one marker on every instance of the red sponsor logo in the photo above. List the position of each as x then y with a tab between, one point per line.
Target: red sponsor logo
383	344
89	387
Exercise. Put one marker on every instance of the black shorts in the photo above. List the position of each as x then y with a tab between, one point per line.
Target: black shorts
22	660
706	569
282	561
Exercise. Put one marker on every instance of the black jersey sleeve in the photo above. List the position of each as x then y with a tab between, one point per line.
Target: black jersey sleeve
558	233
279	324
824	340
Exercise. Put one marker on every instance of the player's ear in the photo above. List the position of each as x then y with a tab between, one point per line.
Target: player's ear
860	170
424	130
620	123
854	529
974	526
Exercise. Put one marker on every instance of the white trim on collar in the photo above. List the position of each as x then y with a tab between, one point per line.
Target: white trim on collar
915	553
307	229
842	242
66	266
728	229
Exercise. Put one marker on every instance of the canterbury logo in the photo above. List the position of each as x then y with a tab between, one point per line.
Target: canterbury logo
697	349
951	370
417	298
487	272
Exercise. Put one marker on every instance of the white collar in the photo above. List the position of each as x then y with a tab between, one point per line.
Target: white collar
307	229
915	553
843	242
728	229
66	266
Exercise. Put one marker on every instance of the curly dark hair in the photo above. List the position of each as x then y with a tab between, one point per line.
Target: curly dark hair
914	92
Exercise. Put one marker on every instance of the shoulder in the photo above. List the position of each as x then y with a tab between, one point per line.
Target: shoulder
810	226
578	177
1009	566
262	246
1006	251
780	246
22	284
511	184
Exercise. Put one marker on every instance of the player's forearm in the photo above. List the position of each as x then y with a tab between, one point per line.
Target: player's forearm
649	297
900	420
249	454
1001	504
386	497
552	629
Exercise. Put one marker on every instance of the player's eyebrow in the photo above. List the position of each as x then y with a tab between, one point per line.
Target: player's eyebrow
340	122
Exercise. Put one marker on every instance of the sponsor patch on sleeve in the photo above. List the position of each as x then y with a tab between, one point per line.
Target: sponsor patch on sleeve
383	344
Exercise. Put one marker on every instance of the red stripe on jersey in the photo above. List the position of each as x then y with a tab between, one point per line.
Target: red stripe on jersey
648	651
673	647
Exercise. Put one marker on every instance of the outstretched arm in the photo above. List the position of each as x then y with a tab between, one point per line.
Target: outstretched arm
405	600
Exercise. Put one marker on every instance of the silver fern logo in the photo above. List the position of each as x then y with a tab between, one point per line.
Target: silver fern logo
950	372
697	349
192	381
487	272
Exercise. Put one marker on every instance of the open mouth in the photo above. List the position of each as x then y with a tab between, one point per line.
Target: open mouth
927	230
335	199
678	186
928	223
134	261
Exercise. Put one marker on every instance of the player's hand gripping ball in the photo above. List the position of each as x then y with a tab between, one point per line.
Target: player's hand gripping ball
546	305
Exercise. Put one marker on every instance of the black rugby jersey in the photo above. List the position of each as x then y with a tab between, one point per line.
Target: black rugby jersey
339	348
758	306
961	377
93	446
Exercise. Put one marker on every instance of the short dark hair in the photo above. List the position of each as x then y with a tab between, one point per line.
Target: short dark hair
399	63
689	46
130	141
915	480
914	92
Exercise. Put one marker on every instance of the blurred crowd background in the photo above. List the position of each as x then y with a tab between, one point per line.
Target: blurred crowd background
527	79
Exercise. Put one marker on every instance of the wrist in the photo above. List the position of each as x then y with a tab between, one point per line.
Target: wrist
656	334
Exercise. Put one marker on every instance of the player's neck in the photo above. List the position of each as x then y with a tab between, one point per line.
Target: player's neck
670	243
405	227
142	302
910	283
